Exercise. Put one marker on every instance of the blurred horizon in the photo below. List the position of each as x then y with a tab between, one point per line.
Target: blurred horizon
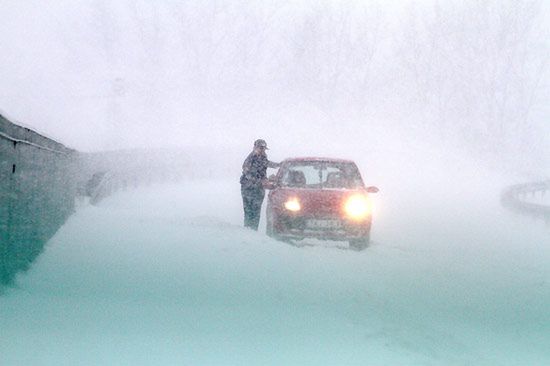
344	77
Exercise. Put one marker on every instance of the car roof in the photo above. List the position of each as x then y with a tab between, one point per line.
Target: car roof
317	159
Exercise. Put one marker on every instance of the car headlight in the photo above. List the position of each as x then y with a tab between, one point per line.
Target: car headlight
358	207
293	205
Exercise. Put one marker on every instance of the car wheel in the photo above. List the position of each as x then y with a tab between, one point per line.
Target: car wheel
269	228
271	231
269	224
361	243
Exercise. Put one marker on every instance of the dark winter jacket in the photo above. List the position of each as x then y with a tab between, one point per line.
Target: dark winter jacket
255	170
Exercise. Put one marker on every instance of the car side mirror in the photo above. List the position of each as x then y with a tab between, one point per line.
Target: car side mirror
372	189
271	182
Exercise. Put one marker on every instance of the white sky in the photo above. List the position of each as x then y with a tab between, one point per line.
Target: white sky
105	75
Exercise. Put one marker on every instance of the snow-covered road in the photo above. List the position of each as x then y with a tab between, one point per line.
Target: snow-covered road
166	275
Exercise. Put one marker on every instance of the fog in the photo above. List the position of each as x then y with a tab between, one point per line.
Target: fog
343	76
442	105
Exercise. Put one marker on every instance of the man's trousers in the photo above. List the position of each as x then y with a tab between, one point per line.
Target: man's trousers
253	198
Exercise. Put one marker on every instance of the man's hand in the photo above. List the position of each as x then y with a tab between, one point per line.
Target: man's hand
268	184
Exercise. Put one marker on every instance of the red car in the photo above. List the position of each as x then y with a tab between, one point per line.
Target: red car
320	198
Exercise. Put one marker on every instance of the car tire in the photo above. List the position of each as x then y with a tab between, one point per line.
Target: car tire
269	224
361	243
271	231
269	228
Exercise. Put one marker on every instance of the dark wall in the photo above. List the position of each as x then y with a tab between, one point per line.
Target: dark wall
37	191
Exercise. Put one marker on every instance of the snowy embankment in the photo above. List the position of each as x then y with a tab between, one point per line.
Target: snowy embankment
166	275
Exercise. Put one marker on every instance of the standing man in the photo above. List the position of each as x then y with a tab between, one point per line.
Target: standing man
252	180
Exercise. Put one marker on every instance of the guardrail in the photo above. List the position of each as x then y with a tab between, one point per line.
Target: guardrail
104	184
105	173
514	198
16	141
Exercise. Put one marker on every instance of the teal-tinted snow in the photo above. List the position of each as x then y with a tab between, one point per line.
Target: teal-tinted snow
166	275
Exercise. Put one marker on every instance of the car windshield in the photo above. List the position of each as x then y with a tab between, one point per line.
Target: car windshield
325	175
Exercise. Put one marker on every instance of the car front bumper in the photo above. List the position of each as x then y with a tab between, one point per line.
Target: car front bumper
324	228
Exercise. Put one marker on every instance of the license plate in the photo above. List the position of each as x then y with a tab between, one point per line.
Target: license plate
323	224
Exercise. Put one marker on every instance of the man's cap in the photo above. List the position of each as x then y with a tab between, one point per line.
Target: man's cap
260	143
